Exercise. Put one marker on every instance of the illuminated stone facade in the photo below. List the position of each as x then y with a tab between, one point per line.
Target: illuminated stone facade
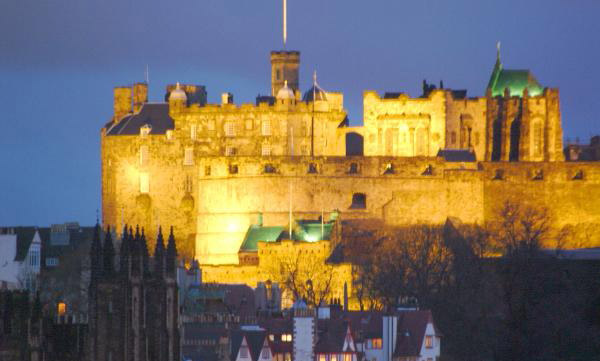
210	169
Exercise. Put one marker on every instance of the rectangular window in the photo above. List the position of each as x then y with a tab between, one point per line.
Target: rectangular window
193	131
229	129
429	341
266	150
347	357
322	357
51	261
143	155
266	127
333	357
144	183
170	134
188	158
377	343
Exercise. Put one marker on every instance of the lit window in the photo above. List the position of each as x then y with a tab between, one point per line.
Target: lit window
62	308
266	150
229	129
266	127
377	343
193	131
286	337
188	158
347	357
333	357
170	134
144	183
429	341
322	357
143	154
271	337
230	151
287	356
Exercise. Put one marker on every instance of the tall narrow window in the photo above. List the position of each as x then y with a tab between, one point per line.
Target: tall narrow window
266	127
144	183
143	155
230	151
188	158
193	130
266	150
229	129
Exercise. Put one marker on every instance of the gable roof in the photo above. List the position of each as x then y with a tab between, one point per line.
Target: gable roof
411	332
154	114
331	336
254	339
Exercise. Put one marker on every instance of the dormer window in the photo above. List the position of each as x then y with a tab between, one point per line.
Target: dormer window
429	341
145	130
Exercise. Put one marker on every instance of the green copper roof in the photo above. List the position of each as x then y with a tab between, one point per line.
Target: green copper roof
515	80
304	230
258	233
312	231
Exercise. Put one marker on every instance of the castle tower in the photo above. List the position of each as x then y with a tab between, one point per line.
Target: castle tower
140	96
285	66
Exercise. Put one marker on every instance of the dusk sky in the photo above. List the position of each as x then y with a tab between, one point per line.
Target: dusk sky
60	60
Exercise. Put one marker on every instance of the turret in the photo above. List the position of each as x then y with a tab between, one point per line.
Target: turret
177	100
108	255
284	67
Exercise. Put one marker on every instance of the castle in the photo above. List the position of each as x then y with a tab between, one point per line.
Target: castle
215	171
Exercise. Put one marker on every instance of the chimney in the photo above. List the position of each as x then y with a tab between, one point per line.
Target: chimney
122	102
140	96
305	324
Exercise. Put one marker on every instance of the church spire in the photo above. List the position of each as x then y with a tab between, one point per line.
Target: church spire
171	254
497	69
96	254
159	254
124	251
144	252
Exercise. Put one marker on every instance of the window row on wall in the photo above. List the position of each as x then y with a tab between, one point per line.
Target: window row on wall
230	129
538	175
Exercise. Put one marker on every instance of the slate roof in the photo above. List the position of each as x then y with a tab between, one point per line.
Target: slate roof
368	324
457	155
332	334
154	114
411	332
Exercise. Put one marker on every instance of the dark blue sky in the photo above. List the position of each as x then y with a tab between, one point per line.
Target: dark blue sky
59	61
